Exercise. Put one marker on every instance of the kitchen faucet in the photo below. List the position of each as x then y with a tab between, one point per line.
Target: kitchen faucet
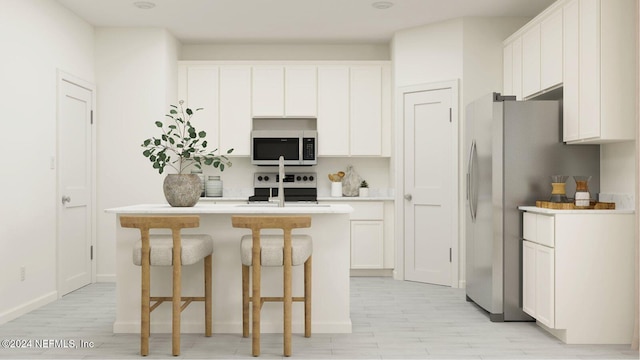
281	181
280	198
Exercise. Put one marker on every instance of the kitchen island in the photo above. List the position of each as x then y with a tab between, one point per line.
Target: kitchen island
330	230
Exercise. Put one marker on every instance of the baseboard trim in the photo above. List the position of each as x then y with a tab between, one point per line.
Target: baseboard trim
372	272
27	307
106	278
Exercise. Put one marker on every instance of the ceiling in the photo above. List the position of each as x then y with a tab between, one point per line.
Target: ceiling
290	21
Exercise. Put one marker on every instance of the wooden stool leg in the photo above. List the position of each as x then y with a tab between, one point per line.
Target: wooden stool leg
287	300
145	325
176	302
245	301
307	297
257	304
207	296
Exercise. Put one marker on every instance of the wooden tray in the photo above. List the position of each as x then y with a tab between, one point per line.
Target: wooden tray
594	205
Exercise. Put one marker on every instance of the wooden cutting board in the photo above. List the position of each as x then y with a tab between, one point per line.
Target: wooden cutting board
594	205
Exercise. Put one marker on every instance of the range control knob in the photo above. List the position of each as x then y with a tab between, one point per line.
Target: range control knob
266	178
298	178
311	178
259	178
305	178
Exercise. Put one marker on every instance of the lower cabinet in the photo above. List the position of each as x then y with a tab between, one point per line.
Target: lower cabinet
538	291
578	273
367	244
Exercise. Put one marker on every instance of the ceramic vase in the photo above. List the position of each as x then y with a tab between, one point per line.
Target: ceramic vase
182	190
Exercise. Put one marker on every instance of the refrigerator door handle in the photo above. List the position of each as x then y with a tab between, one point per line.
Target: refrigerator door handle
473	195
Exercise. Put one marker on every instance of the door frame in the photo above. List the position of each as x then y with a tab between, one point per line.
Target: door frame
398	272
63	76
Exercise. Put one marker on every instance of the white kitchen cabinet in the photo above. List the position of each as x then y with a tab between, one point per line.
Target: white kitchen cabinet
301	89
268	91
235	109
512	61
599	80
541	55
367	235
367	247
578	273
201	91
284	91
531	61
365	137
333	110
551	50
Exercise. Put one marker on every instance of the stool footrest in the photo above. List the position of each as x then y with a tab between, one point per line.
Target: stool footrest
187	299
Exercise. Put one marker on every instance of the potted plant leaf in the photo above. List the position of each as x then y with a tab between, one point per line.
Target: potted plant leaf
182	148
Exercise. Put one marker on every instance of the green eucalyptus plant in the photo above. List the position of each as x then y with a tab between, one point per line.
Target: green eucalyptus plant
181	146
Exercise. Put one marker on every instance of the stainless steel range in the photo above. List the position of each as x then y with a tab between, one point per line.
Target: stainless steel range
298	186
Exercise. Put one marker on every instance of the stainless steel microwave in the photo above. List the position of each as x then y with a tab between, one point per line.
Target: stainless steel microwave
299	147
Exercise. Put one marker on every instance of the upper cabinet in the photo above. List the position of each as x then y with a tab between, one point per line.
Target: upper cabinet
599	58
351	101
284	91
587	47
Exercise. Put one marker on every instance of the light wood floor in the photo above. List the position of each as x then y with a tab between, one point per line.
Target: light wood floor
391	320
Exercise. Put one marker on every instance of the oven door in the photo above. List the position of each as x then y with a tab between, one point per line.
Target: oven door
267	150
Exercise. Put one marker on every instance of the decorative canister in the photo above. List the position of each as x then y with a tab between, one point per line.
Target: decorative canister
201	176
582	197
214	186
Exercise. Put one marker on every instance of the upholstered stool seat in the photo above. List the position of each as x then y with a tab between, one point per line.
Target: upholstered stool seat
194	249
173	250
272	250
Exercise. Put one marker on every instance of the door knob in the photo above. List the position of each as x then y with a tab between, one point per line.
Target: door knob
66	199
407	197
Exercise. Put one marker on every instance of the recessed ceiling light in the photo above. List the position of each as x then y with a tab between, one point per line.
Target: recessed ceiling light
144	5
382	5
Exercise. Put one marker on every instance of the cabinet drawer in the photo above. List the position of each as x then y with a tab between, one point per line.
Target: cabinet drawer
367	211
538	228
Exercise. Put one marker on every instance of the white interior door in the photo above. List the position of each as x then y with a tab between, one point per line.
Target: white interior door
75	107
430	183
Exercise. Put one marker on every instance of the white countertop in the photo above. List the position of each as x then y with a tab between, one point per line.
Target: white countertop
540	210
320	198
204	208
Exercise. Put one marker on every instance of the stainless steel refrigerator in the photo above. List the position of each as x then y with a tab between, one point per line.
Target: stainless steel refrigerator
512	148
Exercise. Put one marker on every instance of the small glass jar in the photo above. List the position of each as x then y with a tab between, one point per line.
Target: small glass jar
558	189
214	186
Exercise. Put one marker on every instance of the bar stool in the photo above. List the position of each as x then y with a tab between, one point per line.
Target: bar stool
274	250
169	250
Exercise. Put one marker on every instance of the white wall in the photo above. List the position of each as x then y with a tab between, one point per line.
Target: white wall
38	37
285	52
136	73
464	49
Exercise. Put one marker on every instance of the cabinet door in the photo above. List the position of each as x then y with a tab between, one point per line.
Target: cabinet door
235	109
300	91
268	91
202	92
571	72
333	111
366	110
531	61
551	50
529	278
545	285
589	69
507	63
367	244
517	68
